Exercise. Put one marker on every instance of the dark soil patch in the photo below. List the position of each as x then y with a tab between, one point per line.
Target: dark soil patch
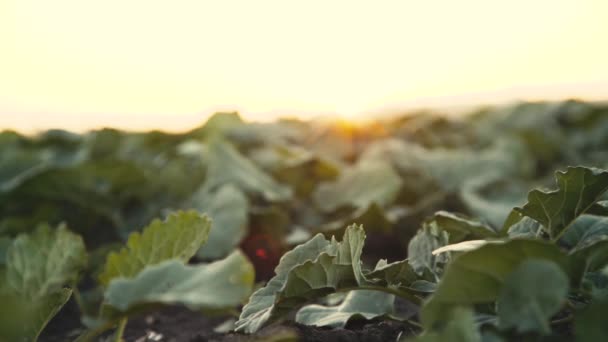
358	332
173	324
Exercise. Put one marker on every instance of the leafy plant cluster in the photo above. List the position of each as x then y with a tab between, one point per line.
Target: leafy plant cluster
544	268
149	270
451	233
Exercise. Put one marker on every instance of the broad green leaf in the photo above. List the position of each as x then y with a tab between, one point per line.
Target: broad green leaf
579	189
226	165
31	286
584	231
587	240
20	162
218	285
478	276
360	186
398	273
259	309
595	284
531	295
43	262
590	324
88	196
19	165
357	304
492	196
451	168
460	228
591	257
24	318
525	228
228	209
309	271
178	237
504	158
421	246
459	327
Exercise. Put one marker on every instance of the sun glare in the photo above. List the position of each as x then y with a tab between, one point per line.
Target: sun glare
141	64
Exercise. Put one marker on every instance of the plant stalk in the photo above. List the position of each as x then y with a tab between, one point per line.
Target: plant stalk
120	330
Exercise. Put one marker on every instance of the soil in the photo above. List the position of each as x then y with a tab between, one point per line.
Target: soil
176	324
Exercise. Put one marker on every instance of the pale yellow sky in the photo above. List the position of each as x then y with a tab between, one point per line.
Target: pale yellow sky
157	63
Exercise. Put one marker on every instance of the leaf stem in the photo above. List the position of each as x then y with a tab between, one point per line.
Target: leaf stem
120	330
414	323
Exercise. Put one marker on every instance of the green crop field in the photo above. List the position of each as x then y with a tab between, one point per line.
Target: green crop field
489	226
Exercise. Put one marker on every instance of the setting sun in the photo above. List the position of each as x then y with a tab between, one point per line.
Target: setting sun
142	64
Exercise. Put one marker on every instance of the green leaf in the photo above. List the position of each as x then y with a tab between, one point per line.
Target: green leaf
478	276
218	285
309	271
43	262
24	318
587	240
226	165
451	168
461	228
228	209
398	273
595	284
531	294
525	228
421	246
491	196
20	163
259	309
178	237
579	189
31	286
460	327
591	257
357	304
585	231
360	186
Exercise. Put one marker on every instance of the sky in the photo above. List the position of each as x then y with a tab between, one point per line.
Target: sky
141	64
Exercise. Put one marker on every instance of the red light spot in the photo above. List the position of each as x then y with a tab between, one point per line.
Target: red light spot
261	253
